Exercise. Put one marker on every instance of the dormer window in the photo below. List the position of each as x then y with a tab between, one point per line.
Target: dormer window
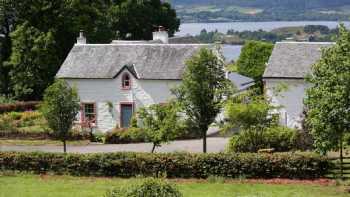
126	81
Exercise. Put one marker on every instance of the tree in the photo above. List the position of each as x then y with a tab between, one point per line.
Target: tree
327	99
6	22
60	107
136	20
33	63
252	60
160	122
250	113
64	19
202	90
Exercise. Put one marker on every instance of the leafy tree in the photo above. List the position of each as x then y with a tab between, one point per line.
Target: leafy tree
328	98
202	90
160	122
62	20
136	20
33	63
252	60
250	113
60	107
6	21
248	110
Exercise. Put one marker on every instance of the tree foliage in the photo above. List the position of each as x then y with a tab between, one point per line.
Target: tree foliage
60	107
202	90
33	62
249	111
252	60
328	99
60	21
160	122
136	20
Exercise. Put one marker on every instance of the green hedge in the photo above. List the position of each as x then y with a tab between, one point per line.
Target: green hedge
179	165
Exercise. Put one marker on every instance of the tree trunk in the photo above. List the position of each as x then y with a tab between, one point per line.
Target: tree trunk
341	156
154	148
64	146
204	141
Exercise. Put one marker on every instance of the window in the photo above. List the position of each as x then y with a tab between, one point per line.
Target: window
126	82
89	112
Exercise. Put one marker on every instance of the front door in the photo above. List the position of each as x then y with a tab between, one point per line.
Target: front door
125	115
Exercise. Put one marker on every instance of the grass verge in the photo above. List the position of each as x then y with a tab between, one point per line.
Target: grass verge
13	185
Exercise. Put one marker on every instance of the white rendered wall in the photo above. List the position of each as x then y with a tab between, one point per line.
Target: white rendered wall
290	100
104	91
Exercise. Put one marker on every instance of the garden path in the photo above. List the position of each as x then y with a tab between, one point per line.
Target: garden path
215	144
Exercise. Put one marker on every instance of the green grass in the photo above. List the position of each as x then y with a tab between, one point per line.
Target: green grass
61	186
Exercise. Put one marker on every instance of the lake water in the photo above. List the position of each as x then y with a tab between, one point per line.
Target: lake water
195	28
231	52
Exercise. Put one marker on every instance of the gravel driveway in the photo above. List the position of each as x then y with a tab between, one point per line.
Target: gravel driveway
214	144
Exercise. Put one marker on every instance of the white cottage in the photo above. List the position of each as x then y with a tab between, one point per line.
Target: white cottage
113	80
289	64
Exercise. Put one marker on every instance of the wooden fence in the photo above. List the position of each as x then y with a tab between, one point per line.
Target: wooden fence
338	170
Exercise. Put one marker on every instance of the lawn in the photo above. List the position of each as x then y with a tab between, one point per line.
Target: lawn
61	186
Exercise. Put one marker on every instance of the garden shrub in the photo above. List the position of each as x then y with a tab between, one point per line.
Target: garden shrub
149	187
31	125
281	139
124	136
173	165
137	135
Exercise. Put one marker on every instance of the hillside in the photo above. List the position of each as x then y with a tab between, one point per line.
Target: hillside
261	10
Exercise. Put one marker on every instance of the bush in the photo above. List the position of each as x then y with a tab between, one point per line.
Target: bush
137	135
124	136
31	125
347	139
281	139
146	188
174	165
19	106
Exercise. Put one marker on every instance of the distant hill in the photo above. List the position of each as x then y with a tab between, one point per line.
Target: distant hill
261	10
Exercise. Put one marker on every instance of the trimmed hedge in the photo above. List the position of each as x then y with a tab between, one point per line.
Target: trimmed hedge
174	165
19	106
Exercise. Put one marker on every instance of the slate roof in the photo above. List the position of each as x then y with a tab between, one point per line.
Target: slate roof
241	82
293	59
147	61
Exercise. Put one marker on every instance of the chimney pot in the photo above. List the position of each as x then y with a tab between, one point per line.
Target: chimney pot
161	35
81	39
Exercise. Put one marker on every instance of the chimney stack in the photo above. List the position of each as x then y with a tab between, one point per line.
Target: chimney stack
161	34
81	39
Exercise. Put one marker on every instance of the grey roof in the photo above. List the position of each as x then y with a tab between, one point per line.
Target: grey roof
293	59
147	61
184	40
241	82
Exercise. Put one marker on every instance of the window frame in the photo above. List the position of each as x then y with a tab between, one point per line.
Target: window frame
124	87
83	114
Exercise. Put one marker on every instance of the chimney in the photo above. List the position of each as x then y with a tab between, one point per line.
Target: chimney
81	39
161	35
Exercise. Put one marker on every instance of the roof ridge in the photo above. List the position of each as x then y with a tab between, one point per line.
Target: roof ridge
295	42
142	44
